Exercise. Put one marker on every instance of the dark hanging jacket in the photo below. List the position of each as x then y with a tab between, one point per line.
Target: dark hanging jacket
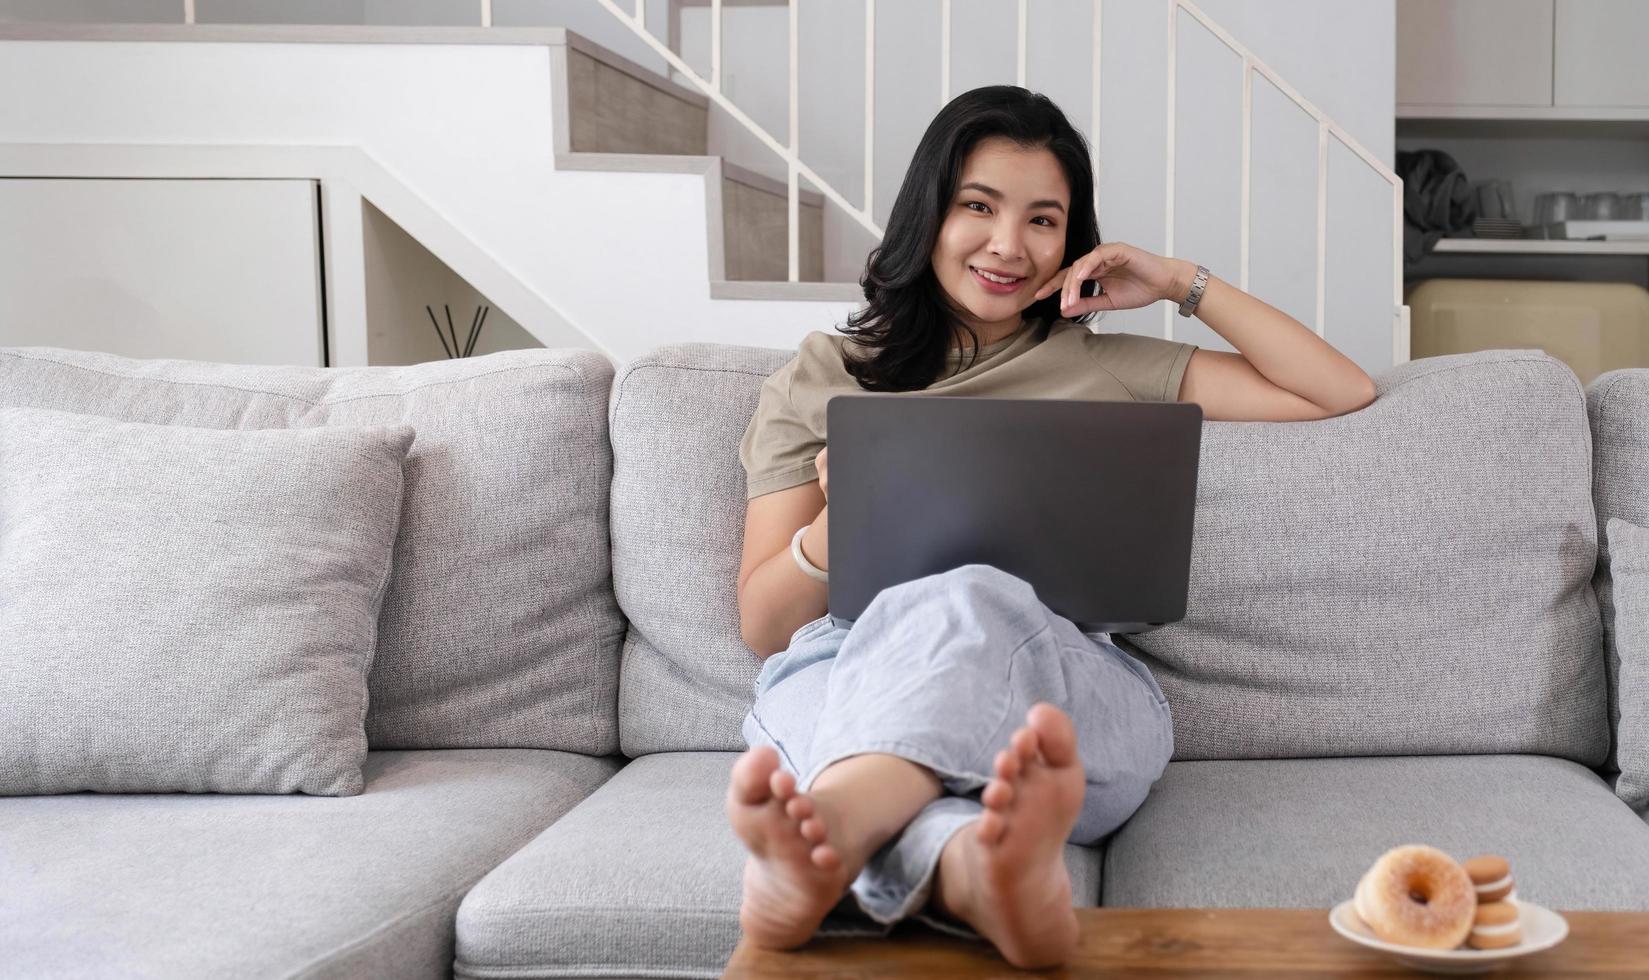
1437	199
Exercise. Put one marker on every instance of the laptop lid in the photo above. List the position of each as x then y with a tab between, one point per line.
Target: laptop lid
1091	502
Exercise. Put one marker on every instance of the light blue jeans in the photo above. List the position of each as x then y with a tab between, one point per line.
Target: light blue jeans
941	671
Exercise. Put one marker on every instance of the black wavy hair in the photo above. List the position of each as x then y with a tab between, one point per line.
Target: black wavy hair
908	322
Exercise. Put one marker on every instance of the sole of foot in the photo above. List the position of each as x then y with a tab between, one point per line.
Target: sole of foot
1015	890
794	874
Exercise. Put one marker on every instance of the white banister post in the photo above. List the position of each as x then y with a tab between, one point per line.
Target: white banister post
870	106
1168	230
486	13
1019	62
795	149
1094	148
1247	167
944	52
715	44
1322	220
1400	330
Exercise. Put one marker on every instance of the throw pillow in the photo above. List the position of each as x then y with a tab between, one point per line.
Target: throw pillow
189	610
1629	565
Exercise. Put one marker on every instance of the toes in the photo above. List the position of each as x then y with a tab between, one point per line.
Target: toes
825	858
752	774
998	795
1007	765
1056	736
813	830
1024	744
782	784
991	825
799	807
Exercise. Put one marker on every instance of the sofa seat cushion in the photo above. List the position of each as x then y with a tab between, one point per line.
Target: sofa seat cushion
1299	833
641	879
181	885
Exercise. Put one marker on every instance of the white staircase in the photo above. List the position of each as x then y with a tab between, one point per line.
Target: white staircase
458	130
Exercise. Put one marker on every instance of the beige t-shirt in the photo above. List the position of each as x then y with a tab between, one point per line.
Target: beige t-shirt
1069	362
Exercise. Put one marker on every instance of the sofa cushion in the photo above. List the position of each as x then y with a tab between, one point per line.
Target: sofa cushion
1299	833
273	886
499	626
642	879
189	610
1629	568
677	414
1412	578
1618	405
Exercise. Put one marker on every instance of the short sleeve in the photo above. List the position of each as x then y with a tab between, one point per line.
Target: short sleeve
1151	368
778	446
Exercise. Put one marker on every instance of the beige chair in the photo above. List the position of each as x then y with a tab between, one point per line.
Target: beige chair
1591	326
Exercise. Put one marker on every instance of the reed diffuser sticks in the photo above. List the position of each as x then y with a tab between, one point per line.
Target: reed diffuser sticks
454	349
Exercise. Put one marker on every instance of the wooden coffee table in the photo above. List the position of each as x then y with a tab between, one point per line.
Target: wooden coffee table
1164	943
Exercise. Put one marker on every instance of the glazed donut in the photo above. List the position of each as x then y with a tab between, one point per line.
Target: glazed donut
1416	895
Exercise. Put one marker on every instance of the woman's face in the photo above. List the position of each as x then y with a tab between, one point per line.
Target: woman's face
1008	218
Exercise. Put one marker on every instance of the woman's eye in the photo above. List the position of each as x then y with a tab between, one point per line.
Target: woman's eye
971	204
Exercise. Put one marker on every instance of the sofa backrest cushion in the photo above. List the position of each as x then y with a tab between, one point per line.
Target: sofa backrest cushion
1618	405
499	627
1412	578
677	415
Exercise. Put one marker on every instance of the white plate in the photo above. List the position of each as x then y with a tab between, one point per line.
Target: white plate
1542	929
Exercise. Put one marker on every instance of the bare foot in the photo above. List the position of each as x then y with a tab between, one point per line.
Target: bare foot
1004	874
794	875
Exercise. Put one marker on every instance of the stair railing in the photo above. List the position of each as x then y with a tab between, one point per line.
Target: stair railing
790	150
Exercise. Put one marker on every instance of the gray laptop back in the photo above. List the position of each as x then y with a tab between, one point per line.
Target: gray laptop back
1091	502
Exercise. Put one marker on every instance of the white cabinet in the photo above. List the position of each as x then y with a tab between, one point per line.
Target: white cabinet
1474	52
211	270
1601	54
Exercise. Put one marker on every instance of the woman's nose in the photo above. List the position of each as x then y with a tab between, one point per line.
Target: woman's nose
1007	244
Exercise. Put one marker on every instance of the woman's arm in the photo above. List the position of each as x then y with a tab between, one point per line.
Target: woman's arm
776	598
1276	350
1284	372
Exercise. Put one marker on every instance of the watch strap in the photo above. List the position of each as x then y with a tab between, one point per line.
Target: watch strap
1192	298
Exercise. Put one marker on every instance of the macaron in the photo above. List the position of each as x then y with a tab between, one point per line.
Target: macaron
1495	926
1491	875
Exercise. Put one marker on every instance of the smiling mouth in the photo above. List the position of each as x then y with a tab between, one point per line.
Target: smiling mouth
995	281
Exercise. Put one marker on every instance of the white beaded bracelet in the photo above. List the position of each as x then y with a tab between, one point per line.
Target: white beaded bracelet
801	559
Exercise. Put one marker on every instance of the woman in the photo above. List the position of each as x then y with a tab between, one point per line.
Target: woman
882	764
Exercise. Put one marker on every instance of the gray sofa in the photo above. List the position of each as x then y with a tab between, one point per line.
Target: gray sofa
1394	636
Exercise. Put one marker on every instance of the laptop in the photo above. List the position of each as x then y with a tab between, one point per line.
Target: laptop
1091	502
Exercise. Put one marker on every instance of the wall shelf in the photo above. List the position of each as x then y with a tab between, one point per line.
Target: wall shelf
1562	113
1540	246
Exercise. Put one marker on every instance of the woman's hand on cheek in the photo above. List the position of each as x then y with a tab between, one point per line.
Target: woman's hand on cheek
1128	277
